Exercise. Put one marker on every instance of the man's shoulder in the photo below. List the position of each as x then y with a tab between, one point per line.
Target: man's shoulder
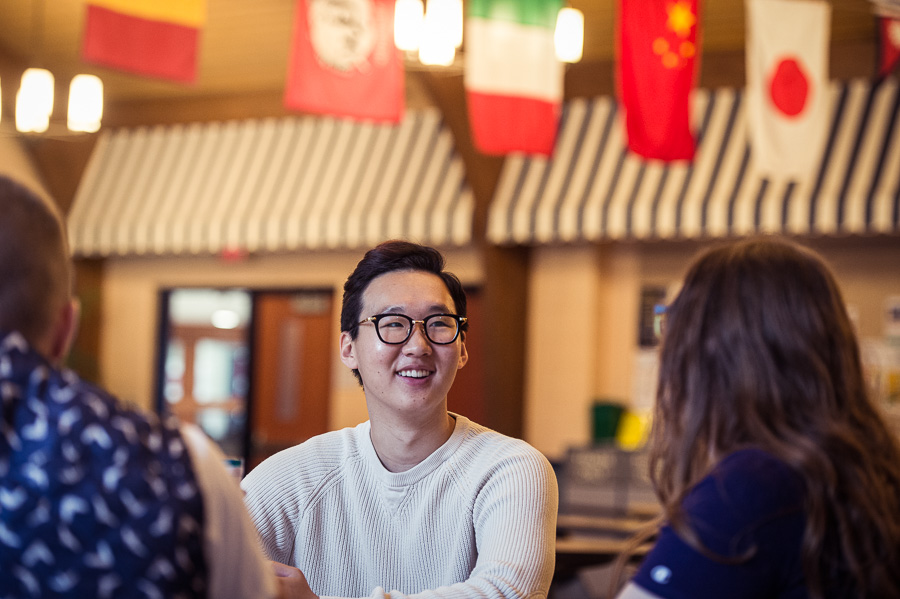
331	446
62	397
489	466
482	436
102	409
490	448
307	463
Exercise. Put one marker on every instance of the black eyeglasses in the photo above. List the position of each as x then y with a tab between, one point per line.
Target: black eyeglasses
394	329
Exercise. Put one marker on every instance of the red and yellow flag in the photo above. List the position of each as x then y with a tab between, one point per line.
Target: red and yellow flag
658	54
158	38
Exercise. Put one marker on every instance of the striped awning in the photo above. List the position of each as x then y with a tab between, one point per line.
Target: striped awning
593	189
271	185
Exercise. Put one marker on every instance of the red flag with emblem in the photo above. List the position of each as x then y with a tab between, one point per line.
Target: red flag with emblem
787	84
658	57
343	60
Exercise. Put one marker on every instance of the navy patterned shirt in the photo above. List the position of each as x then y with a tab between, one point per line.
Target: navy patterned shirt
96	500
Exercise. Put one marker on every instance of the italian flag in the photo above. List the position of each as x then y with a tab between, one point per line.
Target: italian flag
513	81
158	38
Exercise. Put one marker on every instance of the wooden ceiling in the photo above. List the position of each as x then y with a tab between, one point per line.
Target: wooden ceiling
244	46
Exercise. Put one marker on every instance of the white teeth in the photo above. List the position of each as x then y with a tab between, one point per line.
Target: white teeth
414	374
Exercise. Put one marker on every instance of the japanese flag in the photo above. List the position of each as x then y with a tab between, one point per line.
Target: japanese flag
787	84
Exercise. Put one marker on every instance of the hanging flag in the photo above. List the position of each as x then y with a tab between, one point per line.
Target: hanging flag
787	84
658	55
158	38
888	45
343	61
513	80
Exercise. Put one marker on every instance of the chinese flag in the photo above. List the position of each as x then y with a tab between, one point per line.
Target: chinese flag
787	84
158	38
888	45
658	48
343	61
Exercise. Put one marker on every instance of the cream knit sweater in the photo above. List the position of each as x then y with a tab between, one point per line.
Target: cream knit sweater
476	518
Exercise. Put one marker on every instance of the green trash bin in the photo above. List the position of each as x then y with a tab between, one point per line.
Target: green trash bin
605	417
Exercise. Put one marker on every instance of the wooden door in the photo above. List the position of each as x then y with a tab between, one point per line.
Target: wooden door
293	349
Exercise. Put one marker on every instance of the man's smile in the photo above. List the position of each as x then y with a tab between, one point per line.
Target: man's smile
414	374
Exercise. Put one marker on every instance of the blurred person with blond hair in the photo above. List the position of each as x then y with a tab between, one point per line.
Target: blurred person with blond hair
96	499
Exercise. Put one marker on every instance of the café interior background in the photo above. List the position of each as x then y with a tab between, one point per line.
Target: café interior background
558	323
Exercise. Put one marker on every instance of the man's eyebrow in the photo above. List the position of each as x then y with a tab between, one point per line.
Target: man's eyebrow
433	309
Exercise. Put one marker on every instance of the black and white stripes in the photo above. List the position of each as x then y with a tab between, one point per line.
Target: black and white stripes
271	185
316	183
593	189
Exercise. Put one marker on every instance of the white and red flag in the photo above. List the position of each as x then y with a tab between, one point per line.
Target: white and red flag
787	84
343	60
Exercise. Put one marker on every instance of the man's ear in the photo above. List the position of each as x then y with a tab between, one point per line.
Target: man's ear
64	331
463	352
348	351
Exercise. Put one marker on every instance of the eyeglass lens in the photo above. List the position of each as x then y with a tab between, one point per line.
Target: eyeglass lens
396	328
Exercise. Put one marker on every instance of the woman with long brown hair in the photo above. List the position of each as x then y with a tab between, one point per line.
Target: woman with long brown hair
776	473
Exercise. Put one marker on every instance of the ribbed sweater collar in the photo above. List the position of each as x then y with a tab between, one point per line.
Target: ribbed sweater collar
420	470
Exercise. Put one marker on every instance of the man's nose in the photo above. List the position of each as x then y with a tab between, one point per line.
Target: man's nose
418	340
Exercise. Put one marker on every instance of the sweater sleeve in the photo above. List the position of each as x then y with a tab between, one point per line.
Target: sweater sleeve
274	505
515	527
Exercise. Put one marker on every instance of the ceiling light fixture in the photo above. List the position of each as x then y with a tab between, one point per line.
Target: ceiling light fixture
85	103
569	35
435	31
408	15
34	99
439	30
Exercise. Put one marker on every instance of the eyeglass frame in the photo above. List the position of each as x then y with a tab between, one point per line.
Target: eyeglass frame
460	321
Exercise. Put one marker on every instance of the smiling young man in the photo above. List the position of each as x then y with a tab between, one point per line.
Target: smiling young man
417	501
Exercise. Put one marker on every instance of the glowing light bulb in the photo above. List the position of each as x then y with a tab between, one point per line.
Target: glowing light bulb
34	101
85	103
408	17
569	35
438	45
